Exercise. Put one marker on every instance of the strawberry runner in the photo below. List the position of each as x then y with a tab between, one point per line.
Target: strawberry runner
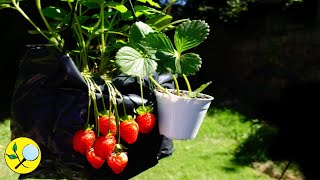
50	103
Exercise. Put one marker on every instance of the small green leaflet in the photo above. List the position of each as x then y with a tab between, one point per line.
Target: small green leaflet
117	6
5	1
54	12
190	63
15	147
190	34
157	42
150	2
160	20
12	156
138	31
2	6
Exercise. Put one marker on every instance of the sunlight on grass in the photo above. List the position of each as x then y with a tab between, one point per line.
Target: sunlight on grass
5	172
210	155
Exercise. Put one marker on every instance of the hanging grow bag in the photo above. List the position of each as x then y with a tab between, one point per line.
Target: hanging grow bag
50	103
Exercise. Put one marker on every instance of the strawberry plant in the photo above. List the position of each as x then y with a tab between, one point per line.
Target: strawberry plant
151	50
105	39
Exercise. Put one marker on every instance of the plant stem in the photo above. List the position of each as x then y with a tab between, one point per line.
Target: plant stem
38	2
132	12
117	121
141	91
102	98
168	6
103	46
113	101
83	53
187	82
16	5
176	84
95	107
89	100
119	33
156	83
173	23
122	100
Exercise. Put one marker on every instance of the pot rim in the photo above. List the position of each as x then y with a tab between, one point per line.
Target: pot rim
208	97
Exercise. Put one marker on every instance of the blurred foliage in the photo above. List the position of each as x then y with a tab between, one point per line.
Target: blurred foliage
223	10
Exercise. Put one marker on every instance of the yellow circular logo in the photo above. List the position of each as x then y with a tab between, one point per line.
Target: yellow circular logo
22	155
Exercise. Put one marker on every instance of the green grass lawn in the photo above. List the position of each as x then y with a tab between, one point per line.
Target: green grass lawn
213	154
210	155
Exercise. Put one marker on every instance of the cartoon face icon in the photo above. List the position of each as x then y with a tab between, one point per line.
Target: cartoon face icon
22	155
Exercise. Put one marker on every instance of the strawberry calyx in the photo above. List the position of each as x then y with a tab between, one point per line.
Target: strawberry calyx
118	148
144	109
87	126
106	113
127	118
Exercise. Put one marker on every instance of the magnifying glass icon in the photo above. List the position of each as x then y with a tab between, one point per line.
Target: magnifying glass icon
30	153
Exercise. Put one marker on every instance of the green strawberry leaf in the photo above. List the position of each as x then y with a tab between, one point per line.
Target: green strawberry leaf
91	1
5	1
12	156
151	2
2	6
146	9
89	5
188	64
54	12
144	109
159	47
15	147
160	20
158	43
190	34
117	6
138	31
132	63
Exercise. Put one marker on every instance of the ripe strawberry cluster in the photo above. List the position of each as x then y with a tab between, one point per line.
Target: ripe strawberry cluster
105	147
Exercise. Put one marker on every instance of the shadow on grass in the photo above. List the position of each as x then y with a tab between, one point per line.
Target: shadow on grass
256	151
4	112
256	147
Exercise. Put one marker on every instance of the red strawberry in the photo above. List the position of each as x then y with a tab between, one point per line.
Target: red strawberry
104	146
83	140
108	122
129	129
146	119
117	162
95	161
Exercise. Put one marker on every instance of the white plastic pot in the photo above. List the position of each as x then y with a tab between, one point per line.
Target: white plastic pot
181	117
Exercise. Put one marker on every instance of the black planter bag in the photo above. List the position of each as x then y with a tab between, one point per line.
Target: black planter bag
50	103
